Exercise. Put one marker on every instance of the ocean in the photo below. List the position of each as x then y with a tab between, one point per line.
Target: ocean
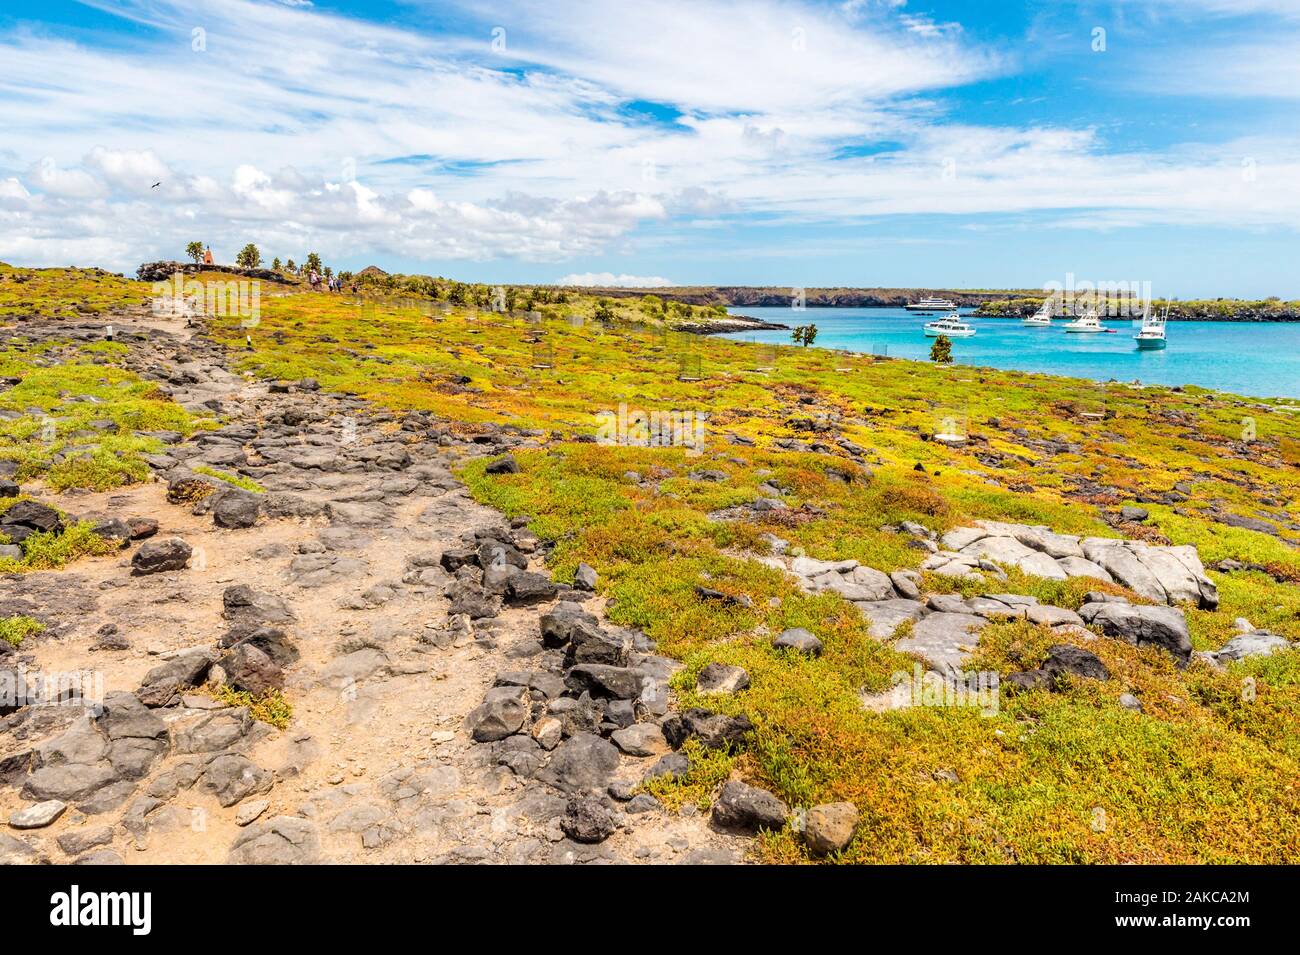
1259	359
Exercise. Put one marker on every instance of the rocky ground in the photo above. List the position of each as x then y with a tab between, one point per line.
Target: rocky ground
402	622
450	701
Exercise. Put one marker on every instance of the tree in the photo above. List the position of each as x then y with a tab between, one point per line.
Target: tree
289	266
195	251
804	335
313	263
248	257
941	350
604	310
275	265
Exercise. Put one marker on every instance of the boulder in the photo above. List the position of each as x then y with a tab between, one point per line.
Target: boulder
1163	627
187	669
1124	567
504	465
1259	643
557	623
591	644
527	587
241	602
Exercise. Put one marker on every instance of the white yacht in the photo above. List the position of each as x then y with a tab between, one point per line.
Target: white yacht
950	326
1089	323
1041	318
1152	333
931	304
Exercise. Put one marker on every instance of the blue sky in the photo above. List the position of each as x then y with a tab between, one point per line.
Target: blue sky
768	142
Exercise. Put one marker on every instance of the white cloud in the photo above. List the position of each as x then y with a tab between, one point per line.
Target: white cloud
49	178
610	280
297	128
129	170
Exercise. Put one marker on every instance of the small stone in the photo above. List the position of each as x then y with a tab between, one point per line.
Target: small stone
642	802
586	819
741	806
721	678
505	465
904	583
1063	658
236	509
829	827
501	714
1135	514
641	739
250	811
799	639
585	577
76	841
156	557
1130	702
37	816
674	766
548	731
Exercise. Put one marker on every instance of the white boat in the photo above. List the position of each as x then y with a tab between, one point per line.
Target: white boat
930	304
1152	333
1041	318
951	327
1088	324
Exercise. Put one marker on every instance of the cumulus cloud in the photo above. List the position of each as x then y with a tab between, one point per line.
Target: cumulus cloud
298	128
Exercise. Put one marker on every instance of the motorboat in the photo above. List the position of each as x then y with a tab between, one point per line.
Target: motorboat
949	326
1152	333
1041	318
1086	324
932	304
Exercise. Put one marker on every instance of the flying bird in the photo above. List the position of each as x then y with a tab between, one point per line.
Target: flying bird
156	184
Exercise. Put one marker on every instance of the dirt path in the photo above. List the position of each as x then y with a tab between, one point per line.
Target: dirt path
344	573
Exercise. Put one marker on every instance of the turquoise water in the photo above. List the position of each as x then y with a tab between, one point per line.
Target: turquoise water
1246	358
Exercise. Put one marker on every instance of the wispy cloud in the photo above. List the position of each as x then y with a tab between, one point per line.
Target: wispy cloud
557	132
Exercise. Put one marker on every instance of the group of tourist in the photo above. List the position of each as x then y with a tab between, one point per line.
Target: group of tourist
332	283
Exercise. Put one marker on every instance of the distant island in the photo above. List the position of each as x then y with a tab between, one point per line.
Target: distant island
988	303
